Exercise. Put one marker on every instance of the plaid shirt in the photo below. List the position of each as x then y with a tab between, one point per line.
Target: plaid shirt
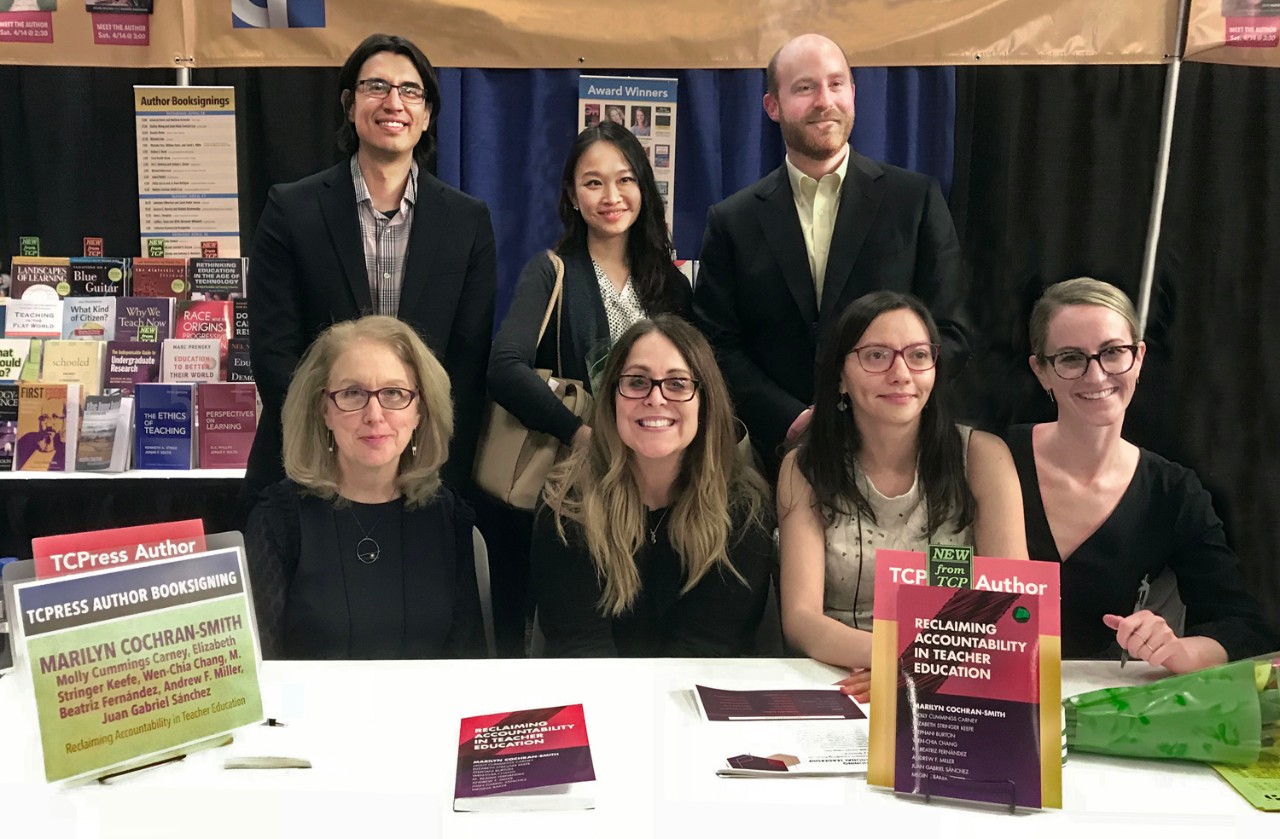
385	240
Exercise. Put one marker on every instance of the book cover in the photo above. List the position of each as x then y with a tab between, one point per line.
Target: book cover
144	318
128	363
48	415
74	361
228	415
96	550
163	426
31	370
538	759
97	276
30	318
239	364
8	424
104	434
240	318
4	299
204	319
13	356
89	318
191	360
966	677
40	277
159	277
216	278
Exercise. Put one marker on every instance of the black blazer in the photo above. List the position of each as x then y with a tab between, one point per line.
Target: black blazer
755	298
307	271
583	326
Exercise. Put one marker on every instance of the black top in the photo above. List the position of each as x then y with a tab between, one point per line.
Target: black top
584	327
315	599
717	618
1164	519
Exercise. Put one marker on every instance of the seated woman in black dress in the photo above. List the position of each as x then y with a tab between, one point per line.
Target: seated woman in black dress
1113	513
360	552
652	540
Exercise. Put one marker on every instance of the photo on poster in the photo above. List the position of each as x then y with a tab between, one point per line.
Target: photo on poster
662	117
277	14
122	7
662	155
641	120
591	114
616	113
28	5
1250	8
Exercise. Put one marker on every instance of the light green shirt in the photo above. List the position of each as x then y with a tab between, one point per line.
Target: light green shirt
817	203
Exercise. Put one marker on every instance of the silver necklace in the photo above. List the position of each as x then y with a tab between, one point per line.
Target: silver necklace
653	531
367	549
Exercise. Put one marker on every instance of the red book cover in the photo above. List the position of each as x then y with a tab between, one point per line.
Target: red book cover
160	277
524	760
94	550
228	420
204	319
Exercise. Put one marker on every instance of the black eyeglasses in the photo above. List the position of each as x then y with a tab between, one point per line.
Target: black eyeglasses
381	89
675	389
355	398
877	359
1072	364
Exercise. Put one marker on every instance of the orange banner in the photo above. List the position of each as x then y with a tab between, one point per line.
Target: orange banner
655	34
1234	32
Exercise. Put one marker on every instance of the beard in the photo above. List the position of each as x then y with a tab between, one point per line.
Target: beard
796	135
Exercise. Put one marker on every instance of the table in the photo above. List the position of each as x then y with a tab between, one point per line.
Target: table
382	737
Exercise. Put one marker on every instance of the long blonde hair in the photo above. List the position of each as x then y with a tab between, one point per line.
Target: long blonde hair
308	459
596	488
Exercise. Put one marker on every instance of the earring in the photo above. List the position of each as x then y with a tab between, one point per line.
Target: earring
330	441
413	449
1049	393
575	208
842	404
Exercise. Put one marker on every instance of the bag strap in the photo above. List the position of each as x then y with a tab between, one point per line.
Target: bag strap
556	302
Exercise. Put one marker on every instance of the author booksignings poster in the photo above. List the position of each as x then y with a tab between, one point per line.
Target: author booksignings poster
138	661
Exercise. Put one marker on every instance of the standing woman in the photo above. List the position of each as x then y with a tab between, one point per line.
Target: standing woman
881	465
361	552
1113	514
652	540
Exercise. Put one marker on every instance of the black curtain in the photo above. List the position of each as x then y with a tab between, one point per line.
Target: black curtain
1055	168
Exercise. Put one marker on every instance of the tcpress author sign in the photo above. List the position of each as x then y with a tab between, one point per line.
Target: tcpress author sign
138	661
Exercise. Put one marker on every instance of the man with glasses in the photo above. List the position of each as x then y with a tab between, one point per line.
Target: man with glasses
782	258
376	234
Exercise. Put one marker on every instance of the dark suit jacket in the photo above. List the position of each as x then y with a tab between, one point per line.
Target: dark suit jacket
755	297
583	327
307	271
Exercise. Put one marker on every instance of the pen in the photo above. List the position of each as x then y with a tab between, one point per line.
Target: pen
1144	589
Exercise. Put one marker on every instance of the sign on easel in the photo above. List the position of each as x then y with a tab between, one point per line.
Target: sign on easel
139	662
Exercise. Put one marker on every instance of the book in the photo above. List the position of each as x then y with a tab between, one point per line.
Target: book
204	319
966	678
538	759
13	356
32	318
163	427
128	363
31	370
89	318
191	360
74	361
783	733
8	424
228	420
48	416
144	318
159	277
95	550
217	278
240	318
97	276
40	277
239	363
105	427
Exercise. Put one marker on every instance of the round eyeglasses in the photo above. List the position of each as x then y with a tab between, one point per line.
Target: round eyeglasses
675	389
381	89
877	359
1072	364
355	398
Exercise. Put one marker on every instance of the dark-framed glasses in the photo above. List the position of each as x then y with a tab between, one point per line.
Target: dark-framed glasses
355	398
878	359
1114	360
381	89
674	389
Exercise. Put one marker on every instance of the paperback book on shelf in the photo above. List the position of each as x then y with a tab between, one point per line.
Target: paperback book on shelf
206	319
48	417
105	434
159	277
74	361
216	278
163	426
228	421
40	277
144	319
8	424
239	364
191	360
538	759
13	356
97	276
33	318
89	318
128	363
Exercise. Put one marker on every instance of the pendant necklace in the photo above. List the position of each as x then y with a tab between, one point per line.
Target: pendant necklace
653	531
367	549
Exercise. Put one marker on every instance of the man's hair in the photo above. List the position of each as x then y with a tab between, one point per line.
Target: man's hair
309	458
348	139
771	73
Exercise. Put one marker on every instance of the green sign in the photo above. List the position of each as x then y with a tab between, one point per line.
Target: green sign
950	566
28	245
155	247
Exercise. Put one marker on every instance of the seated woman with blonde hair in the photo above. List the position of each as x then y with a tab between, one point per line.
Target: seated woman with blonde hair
1113	514
651	541
360	552
881	465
